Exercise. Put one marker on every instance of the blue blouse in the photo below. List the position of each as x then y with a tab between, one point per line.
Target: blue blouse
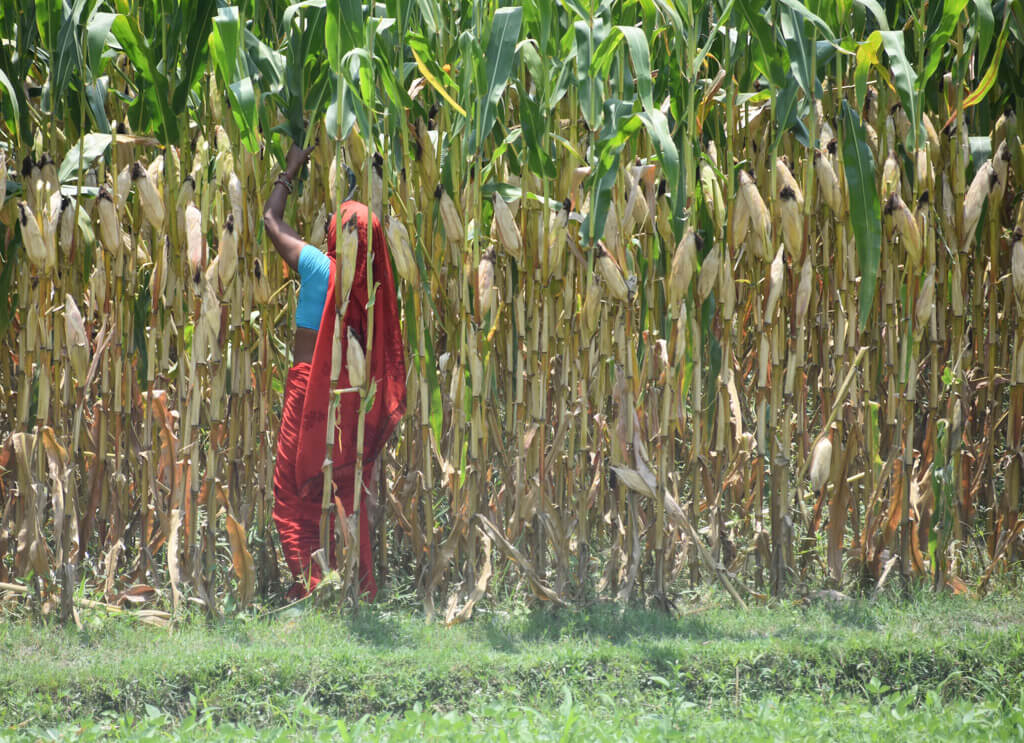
314	273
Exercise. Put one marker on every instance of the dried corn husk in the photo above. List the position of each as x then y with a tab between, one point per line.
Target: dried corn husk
32	237
803	295
925	305
906	226
984	180
453	229
347	250
708	272
684	262
506	228
149	197
485	281
355	361
110	227
792	223
776	282
828	184
1017	268
821	464
261	285
612	276
591	308
77	338
401	251
227	255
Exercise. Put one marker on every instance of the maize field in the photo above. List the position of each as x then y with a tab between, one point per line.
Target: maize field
692	291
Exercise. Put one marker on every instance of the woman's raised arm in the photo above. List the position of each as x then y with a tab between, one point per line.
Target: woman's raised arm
286	240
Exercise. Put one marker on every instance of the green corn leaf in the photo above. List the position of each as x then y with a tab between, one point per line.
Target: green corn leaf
769	56
876	10
985	23
905	79
640	55
91	146
865	208
155	90
498	63
951	10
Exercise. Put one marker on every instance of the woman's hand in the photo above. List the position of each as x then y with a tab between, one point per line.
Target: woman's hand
295	159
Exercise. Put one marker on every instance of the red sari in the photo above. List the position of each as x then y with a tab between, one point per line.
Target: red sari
301	447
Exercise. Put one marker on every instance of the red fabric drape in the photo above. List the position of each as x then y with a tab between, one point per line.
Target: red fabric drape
385	364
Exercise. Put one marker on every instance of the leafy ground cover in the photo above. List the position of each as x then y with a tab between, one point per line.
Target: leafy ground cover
859	670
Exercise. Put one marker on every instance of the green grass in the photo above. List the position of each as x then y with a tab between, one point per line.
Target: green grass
790	671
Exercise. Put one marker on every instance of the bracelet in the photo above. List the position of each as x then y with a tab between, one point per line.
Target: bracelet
283	180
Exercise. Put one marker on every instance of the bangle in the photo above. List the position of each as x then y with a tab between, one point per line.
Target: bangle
283	180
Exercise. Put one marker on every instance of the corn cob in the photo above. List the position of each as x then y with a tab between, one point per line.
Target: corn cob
821	464
110	227
97	287
123	186
32	237
612	275
828	184
194	240
348	247
355	361
401	251
237	201
792	223
261	286
925	305
66	225
449	216
152	204
803	295
227	254
48	173
506	228
558	238
906	226
708	273
683	264
984	181
485	281
776	281
77	338
1017	267
890	175
757	211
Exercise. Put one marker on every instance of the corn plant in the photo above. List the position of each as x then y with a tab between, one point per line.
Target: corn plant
692	291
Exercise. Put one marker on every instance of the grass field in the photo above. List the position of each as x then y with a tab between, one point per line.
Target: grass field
930	668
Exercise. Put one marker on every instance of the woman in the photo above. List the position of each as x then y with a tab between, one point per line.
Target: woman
301	445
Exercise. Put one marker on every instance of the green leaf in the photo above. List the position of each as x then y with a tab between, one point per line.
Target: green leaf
985	22
877	11
341	30
769	58
867	57
640	55
97	32
904	78
498	62
799	9
5	81
91	146
989	79
155	90
951	10
865	208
